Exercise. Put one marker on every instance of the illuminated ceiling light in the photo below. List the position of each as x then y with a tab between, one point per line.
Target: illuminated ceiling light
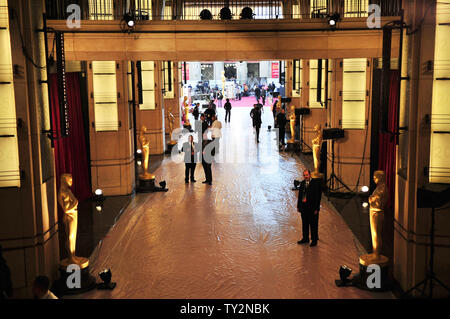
225	13
365	189
206	15
247	13
365	204
129	19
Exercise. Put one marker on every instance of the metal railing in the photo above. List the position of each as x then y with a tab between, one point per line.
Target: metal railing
190	9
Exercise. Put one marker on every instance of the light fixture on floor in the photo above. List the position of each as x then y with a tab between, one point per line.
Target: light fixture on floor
344	273
247	13
365	205
138	155
162	184
99	199
296	185
269	127
364	189
106	276
225	13
206	15
129	19
333	19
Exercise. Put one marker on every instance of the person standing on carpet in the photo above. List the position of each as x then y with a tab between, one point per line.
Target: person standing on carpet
281	123
227	108
191	151
219	99
308	204
255	114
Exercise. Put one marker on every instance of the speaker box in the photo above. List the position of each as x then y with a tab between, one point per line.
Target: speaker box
433	195
332	133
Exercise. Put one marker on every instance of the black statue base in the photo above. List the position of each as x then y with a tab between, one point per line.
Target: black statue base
148	186
60	287
365	279
169	148
292	146
188	127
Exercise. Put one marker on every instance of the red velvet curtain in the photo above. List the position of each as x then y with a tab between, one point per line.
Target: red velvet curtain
388	141
70	151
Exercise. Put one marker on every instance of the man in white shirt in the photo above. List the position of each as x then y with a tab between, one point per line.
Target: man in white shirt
41	287
216	132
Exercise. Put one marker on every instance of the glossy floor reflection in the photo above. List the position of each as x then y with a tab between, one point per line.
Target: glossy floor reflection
234	239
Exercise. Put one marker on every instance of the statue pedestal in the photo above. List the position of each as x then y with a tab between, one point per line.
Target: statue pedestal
87	281
170	145
367	276
292	146
146	185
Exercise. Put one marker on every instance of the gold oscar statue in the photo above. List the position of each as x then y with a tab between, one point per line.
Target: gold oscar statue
145	144
316	146
223	83
186	111
171	120
69	205
292	123
377	202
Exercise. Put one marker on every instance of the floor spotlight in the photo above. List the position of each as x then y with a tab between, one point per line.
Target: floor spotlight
225	13
162	184
334	19
365	204
99	207
247	13
269	127
296	185
129	19
364	189
206	15
105	276
344	273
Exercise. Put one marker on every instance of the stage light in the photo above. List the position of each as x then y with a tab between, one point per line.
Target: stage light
99	207
365	204
225	13
344	273
106	276
206	15
269	127
247	13
98	192
296	183
139	163
139	151
162	184
365	189
129	19
334	19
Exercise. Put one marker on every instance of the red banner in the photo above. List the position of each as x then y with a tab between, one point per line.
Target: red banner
275	70
187	71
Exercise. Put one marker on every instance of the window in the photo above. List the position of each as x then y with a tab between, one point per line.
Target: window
143	9
146	82
356	8
296	78
314	67
105	96
9	151
101	10
207	71
168	79
440	113
354	94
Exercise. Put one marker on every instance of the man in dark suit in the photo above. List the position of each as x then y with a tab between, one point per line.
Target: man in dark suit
281	124
308	205
190	150
207	162
255	114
